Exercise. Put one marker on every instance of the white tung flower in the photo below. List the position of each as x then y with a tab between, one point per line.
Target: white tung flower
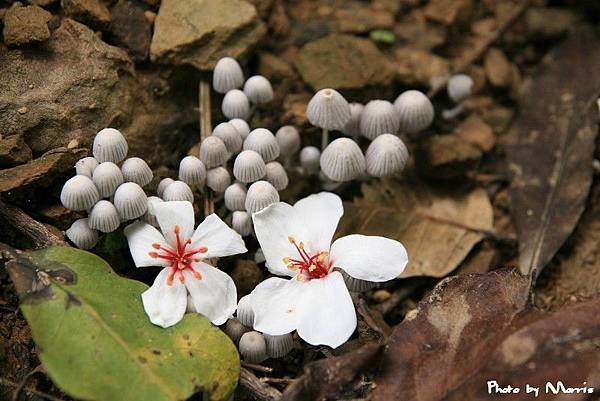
296	241
181	251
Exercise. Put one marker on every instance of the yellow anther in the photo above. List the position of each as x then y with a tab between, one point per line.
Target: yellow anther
286	260
300	277
292	266
291	239
311	267
322	257
176	229
301	246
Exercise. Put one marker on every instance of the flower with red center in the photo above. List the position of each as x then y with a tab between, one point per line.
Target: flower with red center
181	250
297	242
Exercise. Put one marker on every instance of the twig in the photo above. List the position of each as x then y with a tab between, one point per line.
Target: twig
205	131
43	395
518	11
364	311
276	380
256	367
260	390
36	232
21	386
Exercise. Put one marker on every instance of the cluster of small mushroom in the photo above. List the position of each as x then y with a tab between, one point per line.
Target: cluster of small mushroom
111	194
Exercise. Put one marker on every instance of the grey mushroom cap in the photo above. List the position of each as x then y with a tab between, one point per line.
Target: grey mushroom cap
279	346
386	156
288	140
244	311
342	160
241	127
235	104
178	191
328	110
82	235
276	175
310	157
109	146
249	166
415	111
136	170
260	195
218	179
150	216
79	193
104	217
213	152
192	171
86	166
352	127
230	137
235	197
263	142
253	347
131	201
459	87
241	222
227	75
107	177
379	117
162	185
258	89
235	330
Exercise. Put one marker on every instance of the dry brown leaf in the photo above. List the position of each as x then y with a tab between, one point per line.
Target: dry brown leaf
438	227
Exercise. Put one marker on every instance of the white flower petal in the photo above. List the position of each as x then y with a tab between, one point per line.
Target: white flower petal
140	237
368	258
274	304
165	304
175	213
220	240
319	215
214	295
273	225
326	314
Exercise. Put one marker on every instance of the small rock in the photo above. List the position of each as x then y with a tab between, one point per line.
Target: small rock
24	25
548	22
362	19
380	296
246	275
131	29
499	118
22	110
475	131
497	68
447	157
419	67
150	16
416	32
343	62
273	67
91	12
200	32
294	108
43	3
13	151
449	12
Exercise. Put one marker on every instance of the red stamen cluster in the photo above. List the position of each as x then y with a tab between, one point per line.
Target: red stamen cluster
180	258
310	267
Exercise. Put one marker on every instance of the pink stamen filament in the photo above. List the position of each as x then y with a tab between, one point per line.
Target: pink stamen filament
315	266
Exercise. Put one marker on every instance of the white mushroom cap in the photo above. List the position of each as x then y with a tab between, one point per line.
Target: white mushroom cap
230	137
277	176
218	179
227	75
235	330
162	185
244	311
79	193
150	216
104	217
82	235
249	166
191	171
352	127
235	104
253	347
355	284
137	170
260	195
235	197
258	89
328	109
310	157
86	166
213	152
415	111
379	117
131	201
241	127
241	222
288	140
460	87
107	177
342	160
109	146
178	191
386	155
279	346
262	141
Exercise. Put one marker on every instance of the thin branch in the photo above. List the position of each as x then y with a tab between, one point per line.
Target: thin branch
259	390
43	395
257	368
205	131
23	224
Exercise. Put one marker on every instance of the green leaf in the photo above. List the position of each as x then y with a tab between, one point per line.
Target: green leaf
382	36
97	343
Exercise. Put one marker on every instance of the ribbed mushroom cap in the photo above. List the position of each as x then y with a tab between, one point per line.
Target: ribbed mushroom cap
249	166
178	191
310	159
342	160
162	185
235	330
86	166
137	170
107	177
279	346
244	311
277	176
415	111
253	347
79	193
230	137
288	140
379	117
460	87
241	222
260	195
352	127
192	171
328	109
218	179
213	152
109	146
104	217
263	142
150	216
235	104
130	201
82	235
258	89
235	197
386	155
241	127
227	75
355	284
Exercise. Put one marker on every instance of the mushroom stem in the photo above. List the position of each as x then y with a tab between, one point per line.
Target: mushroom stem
205	130
324	139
